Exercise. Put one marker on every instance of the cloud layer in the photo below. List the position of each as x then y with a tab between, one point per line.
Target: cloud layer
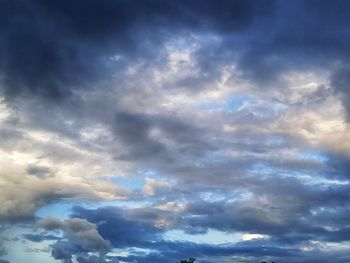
143	131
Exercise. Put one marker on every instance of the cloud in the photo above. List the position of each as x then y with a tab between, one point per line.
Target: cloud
78	231
63	250
95	259
141	231
161	135
230	116
340	81
132	229
3	250
39	238
67	49
22	195
39	171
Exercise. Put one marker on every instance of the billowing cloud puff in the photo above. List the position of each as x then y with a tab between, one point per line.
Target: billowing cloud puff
78	231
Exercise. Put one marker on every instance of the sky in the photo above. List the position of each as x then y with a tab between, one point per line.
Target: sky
157	130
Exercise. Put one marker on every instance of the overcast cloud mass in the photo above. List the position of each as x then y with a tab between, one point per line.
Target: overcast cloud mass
153	131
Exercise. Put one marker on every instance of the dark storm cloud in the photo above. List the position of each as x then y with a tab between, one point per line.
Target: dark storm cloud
52	48
300	34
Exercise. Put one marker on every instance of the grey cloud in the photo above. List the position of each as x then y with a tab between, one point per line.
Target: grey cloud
341	82
63	250
39	171
39	238
171	137
3	247
78	231
96	259
66	48
50	223
285	226
133	232
267	180
3	250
